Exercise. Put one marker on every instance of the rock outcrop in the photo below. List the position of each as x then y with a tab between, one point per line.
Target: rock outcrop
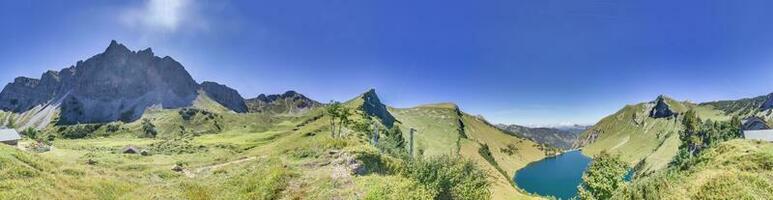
290	102
372	106
116	85
224	95
661	109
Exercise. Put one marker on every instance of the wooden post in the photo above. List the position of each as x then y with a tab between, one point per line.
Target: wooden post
410	141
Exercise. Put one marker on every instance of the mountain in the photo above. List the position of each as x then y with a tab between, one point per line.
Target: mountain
290	102
744	107
444	129
649	131
371	105
636	135
575	129
562	138
115	85
224	95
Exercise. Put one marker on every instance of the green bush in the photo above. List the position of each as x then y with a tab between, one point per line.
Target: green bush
397	188
603	177
450	177
78	131
149	129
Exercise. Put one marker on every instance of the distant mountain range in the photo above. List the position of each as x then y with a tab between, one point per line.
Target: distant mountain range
560	137
290	102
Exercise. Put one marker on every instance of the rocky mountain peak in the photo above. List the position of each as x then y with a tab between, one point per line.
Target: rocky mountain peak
116	48
661	109
372	106
118	84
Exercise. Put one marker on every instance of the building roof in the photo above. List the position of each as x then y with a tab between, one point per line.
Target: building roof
9	135
764	135
754	123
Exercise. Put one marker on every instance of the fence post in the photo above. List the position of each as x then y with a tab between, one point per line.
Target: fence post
410	141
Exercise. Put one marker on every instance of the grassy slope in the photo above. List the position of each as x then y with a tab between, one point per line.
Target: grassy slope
283	161
635	136
483	133
254	156
437	127
438	130
737	169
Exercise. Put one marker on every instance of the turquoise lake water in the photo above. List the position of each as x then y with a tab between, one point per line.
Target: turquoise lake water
557	176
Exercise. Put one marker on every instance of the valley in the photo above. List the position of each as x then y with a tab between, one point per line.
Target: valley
128	124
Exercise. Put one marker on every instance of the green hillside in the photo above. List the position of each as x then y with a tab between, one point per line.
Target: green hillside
636	136
218	154
442	129
736	169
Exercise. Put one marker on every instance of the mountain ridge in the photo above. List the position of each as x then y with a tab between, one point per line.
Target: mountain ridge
115	85
560	138
289	102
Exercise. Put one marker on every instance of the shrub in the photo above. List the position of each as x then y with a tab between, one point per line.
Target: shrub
397	188
30	133
603	177
450	177
78	131
149	129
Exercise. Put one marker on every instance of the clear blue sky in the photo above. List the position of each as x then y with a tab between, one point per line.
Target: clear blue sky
526	62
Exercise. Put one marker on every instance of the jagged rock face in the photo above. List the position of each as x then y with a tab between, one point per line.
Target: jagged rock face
661	109
372	106
224	95
118	84
768	103
21	95
290	102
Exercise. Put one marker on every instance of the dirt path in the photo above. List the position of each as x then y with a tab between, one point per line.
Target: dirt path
194	172
621	143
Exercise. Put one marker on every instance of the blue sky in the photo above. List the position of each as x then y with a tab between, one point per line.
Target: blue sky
527	62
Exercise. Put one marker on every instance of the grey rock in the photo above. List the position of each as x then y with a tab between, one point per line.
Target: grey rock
372	106
224	95
120	84
116	85
661	109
